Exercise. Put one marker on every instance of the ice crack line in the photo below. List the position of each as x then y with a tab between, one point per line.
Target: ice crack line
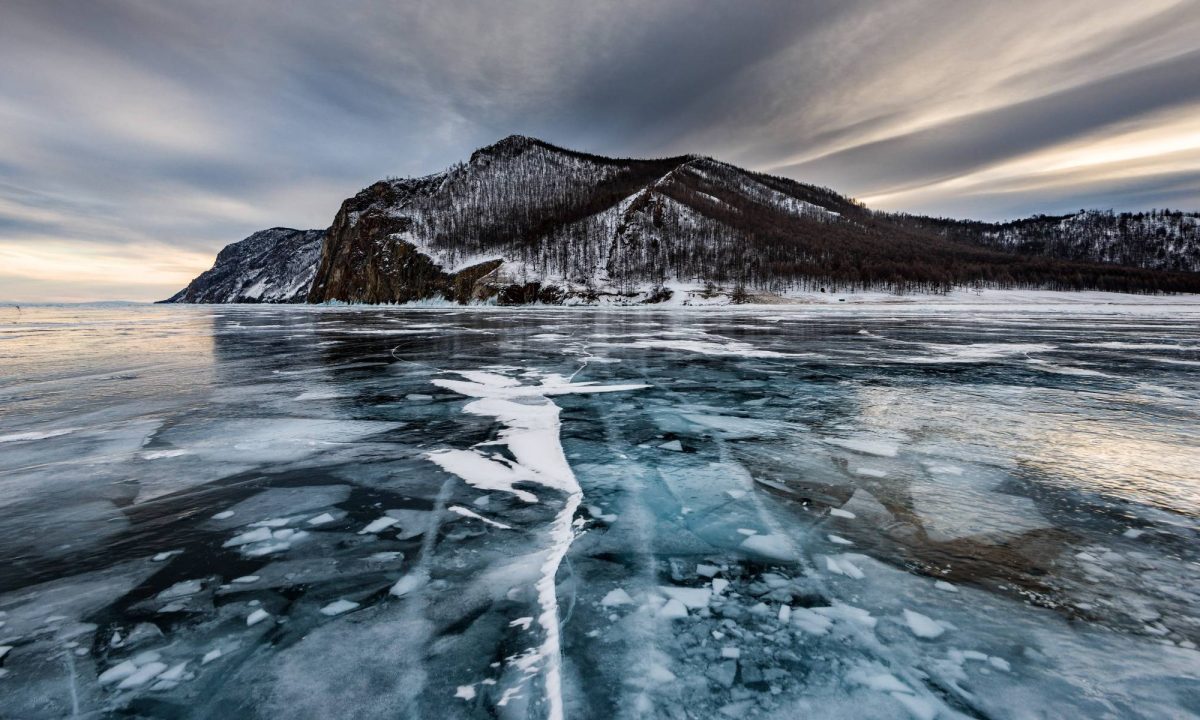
530	430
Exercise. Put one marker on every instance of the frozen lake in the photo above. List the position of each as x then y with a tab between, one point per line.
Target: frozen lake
872	511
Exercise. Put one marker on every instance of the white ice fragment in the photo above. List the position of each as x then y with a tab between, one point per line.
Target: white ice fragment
143	675
838	512
692	598
846	613
210	656
923	626
673	610
1133	533
466	692
256	617
843	566
174	673
271	523
943	585
810	622
672	445
408	583
616	597
999	663
245	579
878	448
870	472
775	546
165	555
785	614
337	607
4	650
460	510
883	682
223	515
261	549
719	585
736	494
731	652
522	622
707	570
839	540
378	525
181	589
120	671
251	536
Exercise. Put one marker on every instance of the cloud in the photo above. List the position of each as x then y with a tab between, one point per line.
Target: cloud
132	130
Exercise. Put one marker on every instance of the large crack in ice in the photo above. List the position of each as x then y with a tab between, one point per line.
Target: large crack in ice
530	431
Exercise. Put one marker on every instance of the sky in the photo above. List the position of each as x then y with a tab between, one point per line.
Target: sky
137	138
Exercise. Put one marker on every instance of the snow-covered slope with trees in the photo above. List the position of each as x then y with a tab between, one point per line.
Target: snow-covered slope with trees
523	221
270	266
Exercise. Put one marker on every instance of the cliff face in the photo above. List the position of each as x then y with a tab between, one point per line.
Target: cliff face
270	266
525	221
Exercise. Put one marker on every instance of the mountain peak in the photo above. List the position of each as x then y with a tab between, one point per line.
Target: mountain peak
507	146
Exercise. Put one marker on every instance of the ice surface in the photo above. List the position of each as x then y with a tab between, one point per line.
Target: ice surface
964	510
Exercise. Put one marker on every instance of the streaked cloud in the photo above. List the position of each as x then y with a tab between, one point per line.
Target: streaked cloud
137	138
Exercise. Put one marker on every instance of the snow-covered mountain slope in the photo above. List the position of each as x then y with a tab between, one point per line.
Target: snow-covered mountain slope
270	266
1159	239
523	221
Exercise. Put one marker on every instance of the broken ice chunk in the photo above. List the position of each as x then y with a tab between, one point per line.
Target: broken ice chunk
337	607
321	519
142	675
707	570
120	671
838	512
693	598
843	566
616	597
672	445
378	525
245	579
210	656
673	610
719	585
839	540
775	547
923	626
256	617
181	589
943	585
165	555
251	536
175	673
466	692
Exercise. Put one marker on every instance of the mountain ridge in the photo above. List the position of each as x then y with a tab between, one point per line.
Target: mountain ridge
524	220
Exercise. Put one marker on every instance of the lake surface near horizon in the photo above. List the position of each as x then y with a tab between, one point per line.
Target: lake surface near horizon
862	511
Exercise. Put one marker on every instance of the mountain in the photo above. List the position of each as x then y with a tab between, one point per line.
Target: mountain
270	266
1158	240
523	220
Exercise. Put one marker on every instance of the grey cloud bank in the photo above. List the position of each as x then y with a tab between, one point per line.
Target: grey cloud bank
138	138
